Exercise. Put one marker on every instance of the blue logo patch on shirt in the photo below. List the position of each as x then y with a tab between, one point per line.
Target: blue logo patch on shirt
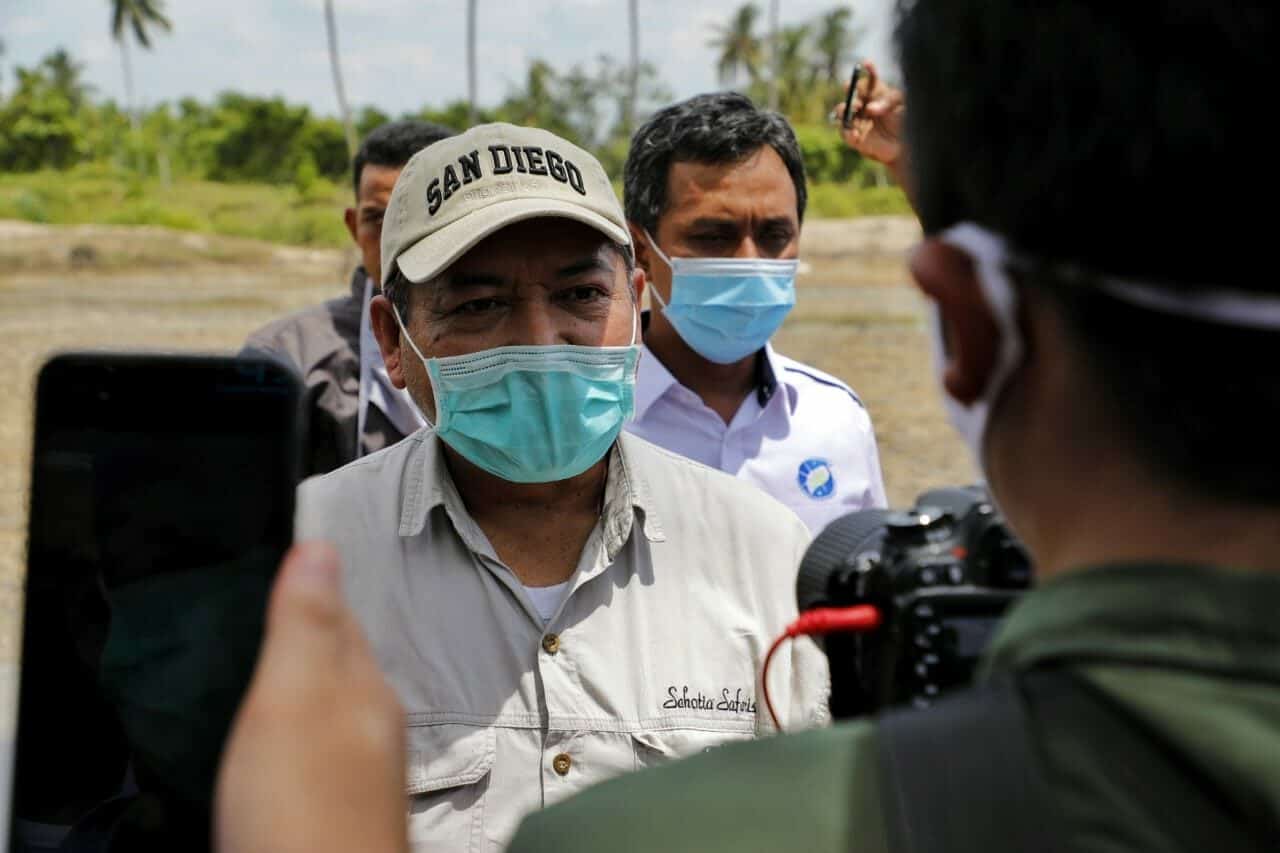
816	478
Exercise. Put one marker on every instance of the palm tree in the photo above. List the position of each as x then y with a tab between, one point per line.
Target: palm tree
331	27
773	55
138	16
794	72
471	61
832	40
738	45
633	78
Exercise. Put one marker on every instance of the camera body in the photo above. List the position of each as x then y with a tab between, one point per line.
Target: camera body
942	574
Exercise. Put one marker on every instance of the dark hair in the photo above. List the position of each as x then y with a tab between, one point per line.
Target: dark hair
722	127
393	143
1122	138
397	287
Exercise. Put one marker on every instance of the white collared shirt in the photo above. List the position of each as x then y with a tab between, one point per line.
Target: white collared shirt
653	653
803	437
375	385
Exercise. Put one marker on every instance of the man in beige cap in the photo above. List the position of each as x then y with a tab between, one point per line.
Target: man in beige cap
554	601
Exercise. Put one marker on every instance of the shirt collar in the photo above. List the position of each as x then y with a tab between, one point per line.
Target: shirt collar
358	278
1163	615
428	484
653	380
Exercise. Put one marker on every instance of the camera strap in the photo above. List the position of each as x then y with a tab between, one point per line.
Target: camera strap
962	776
966	775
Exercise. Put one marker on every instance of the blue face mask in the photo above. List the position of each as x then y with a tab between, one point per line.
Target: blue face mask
533	414
725	309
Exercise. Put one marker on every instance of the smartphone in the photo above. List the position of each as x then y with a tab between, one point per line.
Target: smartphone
847	117
162	498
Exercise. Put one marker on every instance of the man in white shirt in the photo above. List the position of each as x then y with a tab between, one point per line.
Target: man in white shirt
352	406
715	196
553	602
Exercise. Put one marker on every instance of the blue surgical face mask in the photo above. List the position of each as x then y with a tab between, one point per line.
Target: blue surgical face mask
533	414
725	309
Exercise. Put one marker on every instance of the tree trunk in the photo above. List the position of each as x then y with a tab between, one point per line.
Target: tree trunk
633	82
129	105
773	54
471	61
332	28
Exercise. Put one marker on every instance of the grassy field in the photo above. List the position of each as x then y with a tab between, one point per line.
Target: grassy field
294	215
147	287
97	194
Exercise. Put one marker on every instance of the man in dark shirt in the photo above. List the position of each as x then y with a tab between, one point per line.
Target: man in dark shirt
353	407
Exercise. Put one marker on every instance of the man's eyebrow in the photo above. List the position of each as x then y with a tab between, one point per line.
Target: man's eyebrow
708	222
776	221
471	279
595	263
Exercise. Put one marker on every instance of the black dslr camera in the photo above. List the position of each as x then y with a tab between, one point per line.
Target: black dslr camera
941	574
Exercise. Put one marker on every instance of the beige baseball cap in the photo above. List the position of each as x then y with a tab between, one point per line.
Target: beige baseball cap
460	190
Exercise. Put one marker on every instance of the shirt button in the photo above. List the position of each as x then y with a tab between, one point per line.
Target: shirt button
551	644
561	763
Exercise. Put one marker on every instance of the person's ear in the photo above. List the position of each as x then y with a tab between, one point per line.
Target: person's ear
638	282
640	245
972	339
387	331
349	217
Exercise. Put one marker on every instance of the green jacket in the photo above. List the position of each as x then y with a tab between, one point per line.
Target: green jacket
1192	653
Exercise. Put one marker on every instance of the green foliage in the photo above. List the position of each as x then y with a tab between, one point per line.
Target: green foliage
40	123
306	176
254	139
810	68
842	201
30	206
828	160
103	193
586	105
369	119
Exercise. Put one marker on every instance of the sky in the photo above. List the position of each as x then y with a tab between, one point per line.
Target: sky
397	55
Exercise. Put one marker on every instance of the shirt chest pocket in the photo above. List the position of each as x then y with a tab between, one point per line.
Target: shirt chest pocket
655	748
447	779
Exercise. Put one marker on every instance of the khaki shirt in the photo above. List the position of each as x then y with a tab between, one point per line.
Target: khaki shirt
655	653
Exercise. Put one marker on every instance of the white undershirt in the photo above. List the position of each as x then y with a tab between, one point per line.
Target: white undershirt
546	599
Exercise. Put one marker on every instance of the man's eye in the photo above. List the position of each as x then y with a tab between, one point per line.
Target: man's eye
772	247
477	306
584	293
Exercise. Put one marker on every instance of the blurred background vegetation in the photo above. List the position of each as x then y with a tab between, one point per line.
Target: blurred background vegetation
262	167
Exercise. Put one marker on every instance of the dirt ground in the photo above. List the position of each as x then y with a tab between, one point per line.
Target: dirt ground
148	288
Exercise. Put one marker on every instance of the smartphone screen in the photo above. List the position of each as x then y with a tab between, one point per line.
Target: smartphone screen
161	504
